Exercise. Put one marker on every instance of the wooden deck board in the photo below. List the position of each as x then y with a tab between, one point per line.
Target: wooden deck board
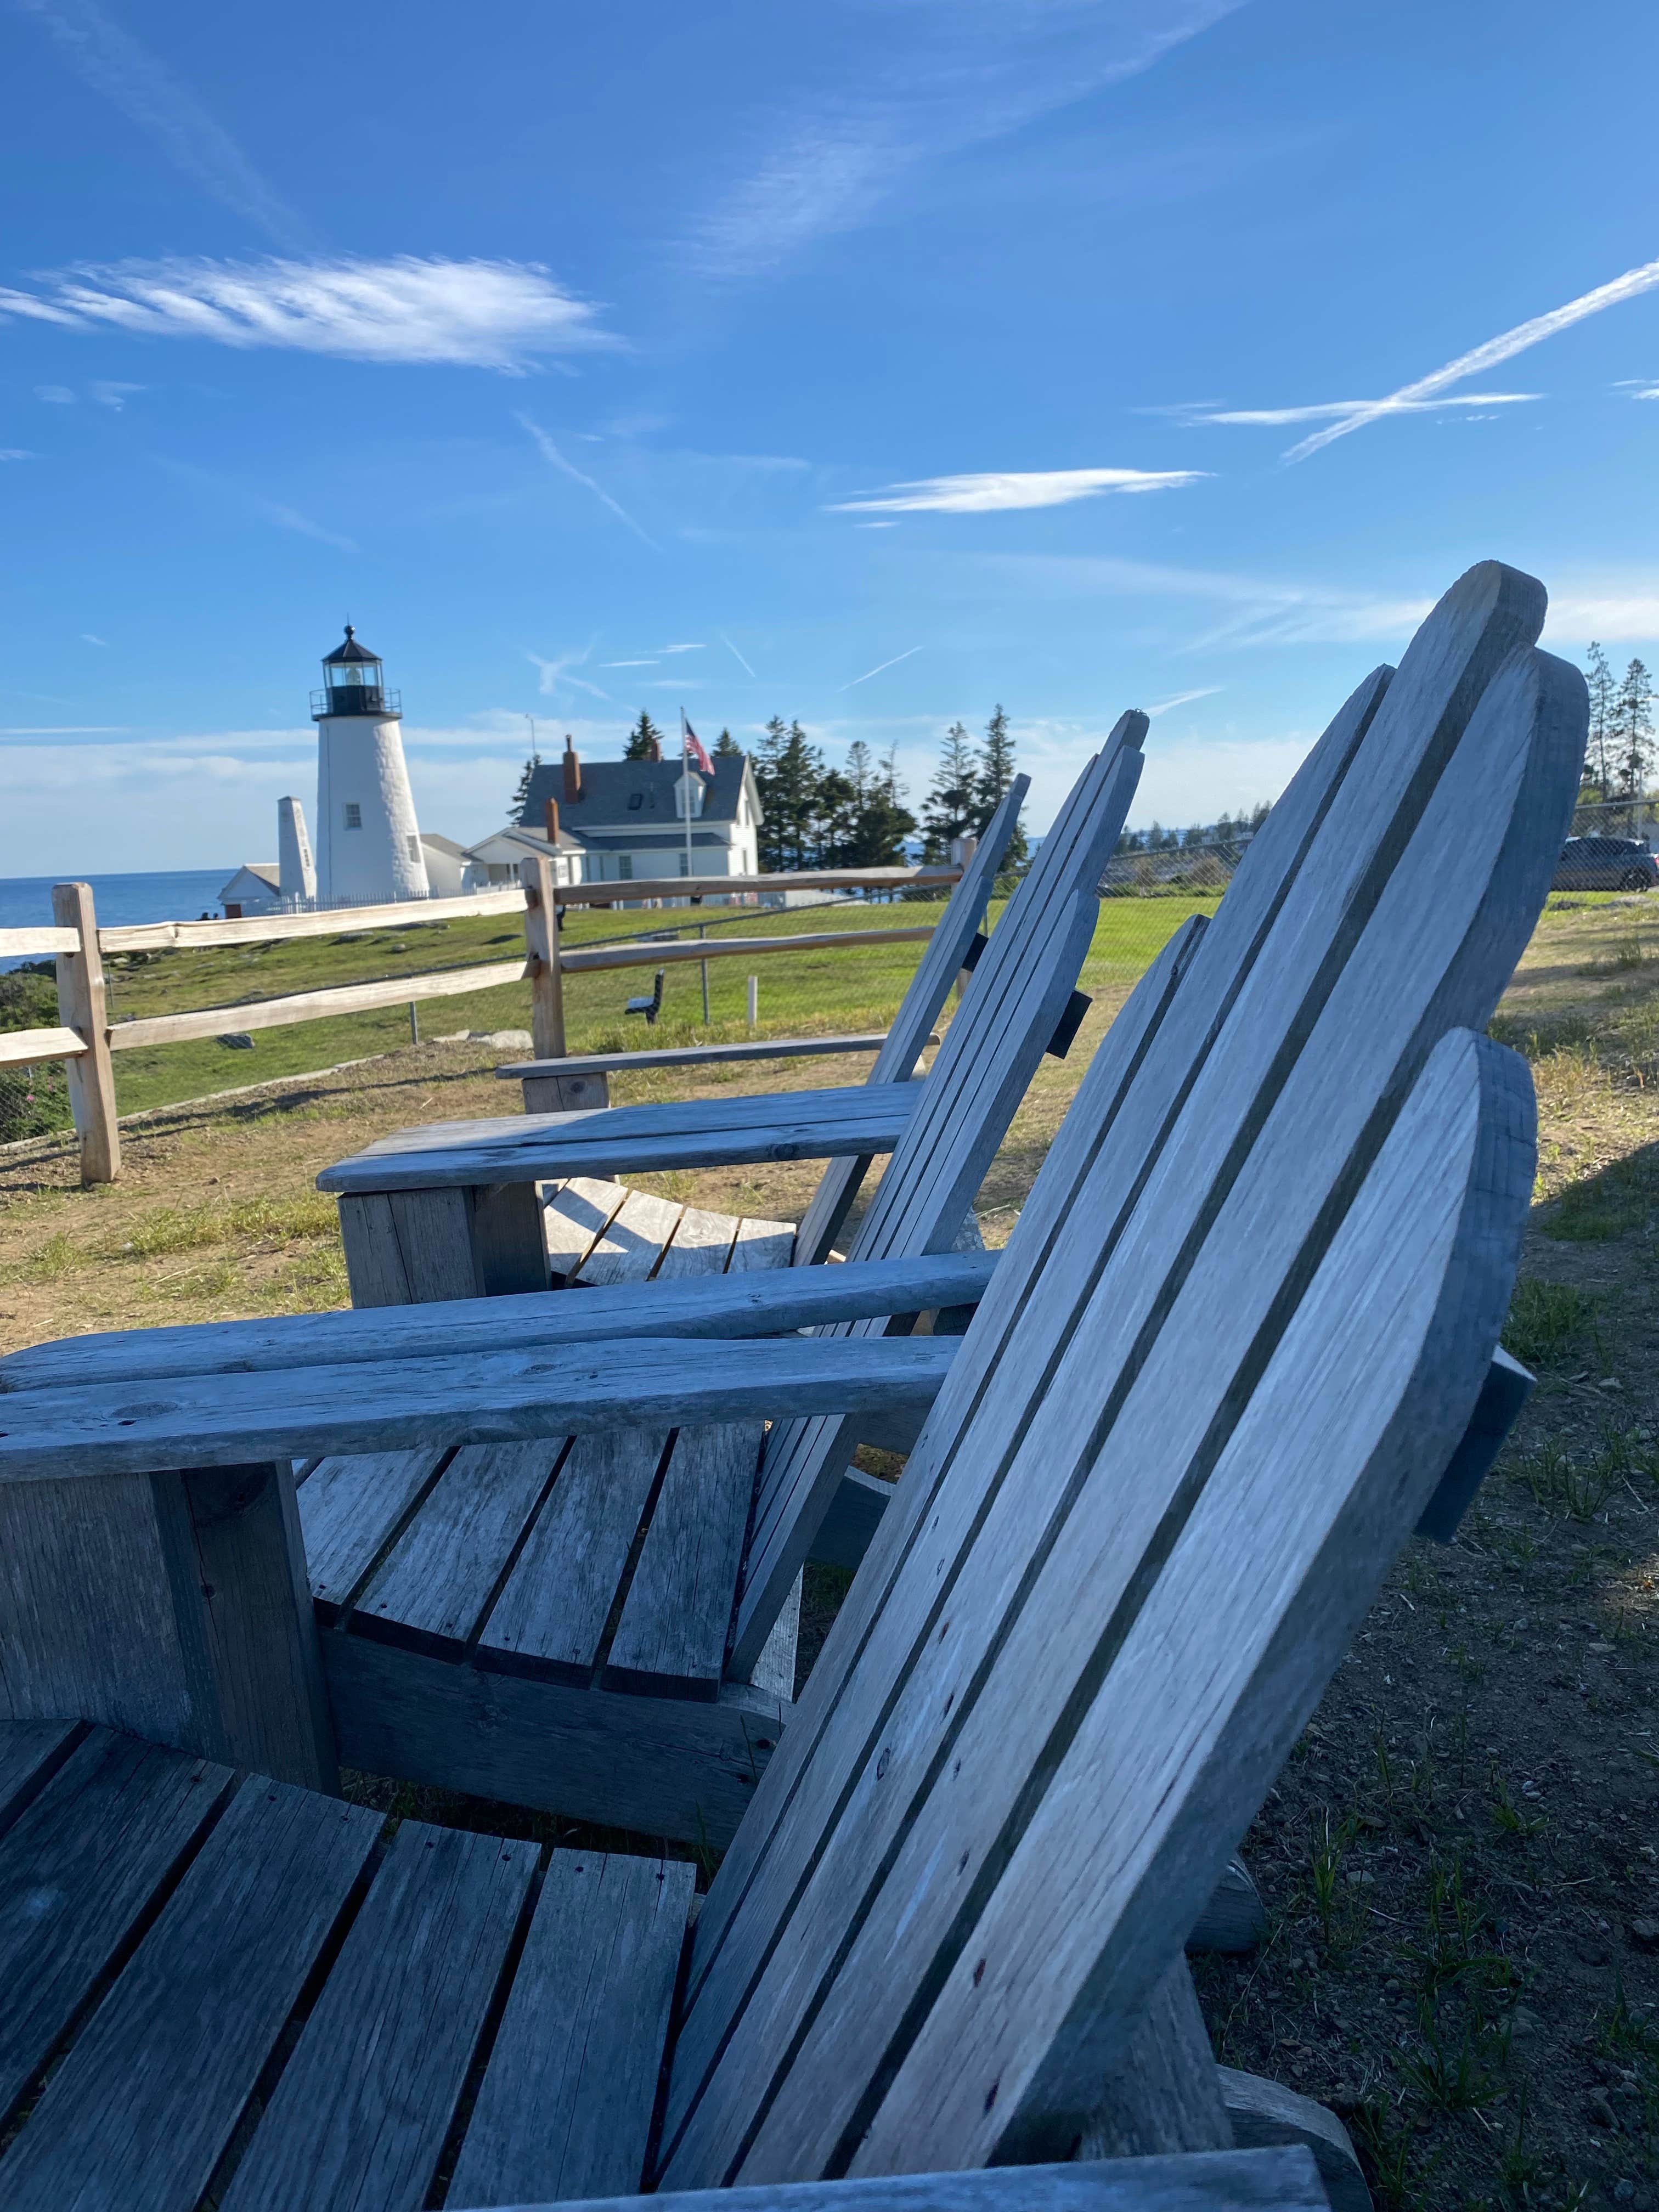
634	1242
435	1582
364	2104
76	1872
566	2101
348	1506
141	2107
671	1638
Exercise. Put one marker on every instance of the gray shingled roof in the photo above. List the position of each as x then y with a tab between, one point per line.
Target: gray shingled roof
619	793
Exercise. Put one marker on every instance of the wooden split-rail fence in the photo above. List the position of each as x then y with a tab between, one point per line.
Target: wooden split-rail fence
85	1039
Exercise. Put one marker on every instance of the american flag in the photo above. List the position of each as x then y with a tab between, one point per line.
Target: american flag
695	752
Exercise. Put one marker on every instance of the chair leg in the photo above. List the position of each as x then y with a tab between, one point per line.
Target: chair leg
1164	2092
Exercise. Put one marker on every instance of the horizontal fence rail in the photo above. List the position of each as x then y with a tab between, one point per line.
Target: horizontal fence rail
86	1038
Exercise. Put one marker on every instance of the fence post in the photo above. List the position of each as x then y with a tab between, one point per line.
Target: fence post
81	1007
541	932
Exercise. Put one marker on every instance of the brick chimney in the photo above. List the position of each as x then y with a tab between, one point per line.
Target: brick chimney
573	773
552	822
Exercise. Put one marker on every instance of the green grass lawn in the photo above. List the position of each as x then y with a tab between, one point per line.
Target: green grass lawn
812	993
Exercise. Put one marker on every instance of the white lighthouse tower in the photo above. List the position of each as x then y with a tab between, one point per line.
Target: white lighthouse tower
368	844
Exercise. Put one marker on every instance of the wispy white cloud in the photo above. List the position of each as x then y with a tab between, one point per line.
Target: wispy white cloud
551	453
1249	609
87	638
997	492
113	62
682	648
875	526
55	395
1491	355
288	518
17	454
949	79
738	658
1183	699
628	664
880	667
66	730
1332	411
557	673
482	314
113	395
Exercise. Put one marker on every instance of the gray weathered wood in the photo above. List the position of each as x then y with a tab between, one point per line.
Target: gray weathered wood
630	1247
144	2103
405	1247
25	1048
575	1066
672	1634
846	1529
170	1603
550	1616
565	2102
545	965
776	1668
576	1213
350	1507
235	1562
665	1766
30	1751
437	1581
564	1093
1264	2114
509	1247
81	1007
680	1301
690	1133
311	1006
1411	956
76	1870
1162	2096
503	1397
1020	987
364	2104
702	1243
1208	2181
1235	1919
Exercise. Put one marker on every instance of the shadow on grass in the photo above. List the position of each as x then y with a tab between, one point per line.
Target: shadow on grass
1617	1198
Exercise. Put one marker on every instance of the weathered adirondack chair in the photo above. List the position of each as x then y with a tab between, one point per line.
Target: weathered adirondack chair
1242	1324
464	1231
553	1624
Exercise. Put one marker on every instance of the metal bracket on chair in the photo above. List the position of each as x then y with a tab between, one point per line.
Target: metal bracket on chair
1069	1023
1505	1390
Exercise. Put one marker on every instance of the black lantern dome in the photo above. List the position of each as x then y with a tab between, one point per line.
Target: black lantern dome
354	683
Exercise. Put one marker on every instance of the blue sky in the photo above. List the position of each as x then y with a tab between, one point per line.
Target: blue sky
589	359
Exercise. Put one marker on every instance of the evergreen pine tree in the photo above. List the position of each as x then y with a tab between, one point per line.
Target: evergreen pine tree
725	743
520	798
787	773
1603	709
644	740
996	774
950	809
1633	729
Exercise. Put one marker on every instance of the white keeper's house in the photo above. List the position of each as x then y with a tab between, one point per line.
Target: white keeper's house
629	817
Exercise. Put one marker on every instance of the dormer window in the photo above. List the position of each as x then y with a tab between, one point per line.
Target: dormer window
354	815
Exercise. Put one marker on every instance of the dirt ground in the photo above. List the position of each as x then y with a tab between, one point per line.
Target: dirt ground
1460	1862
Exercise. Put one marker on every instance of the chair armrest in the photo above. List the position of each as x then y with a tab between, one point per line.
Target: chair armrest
499	1397
857	1120
766	1304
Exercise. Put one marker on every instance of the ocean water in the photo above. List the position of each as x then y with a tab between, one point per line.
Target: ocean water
182	895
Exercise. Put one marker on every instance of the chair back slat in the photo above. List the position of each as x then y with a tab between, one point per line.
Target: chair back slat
911	1027
1111	1370
1009	1012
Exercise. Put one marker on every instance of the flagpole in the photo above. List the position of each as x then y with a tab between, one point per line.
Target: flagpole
685	785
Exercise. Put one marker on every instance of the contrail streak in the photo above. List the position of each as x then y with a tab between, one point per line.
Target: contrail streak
869	672
1629	286
551	455
738	658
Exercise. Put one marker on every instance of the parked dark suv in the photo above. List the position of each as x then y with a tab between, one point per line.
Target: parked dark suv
1605	864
